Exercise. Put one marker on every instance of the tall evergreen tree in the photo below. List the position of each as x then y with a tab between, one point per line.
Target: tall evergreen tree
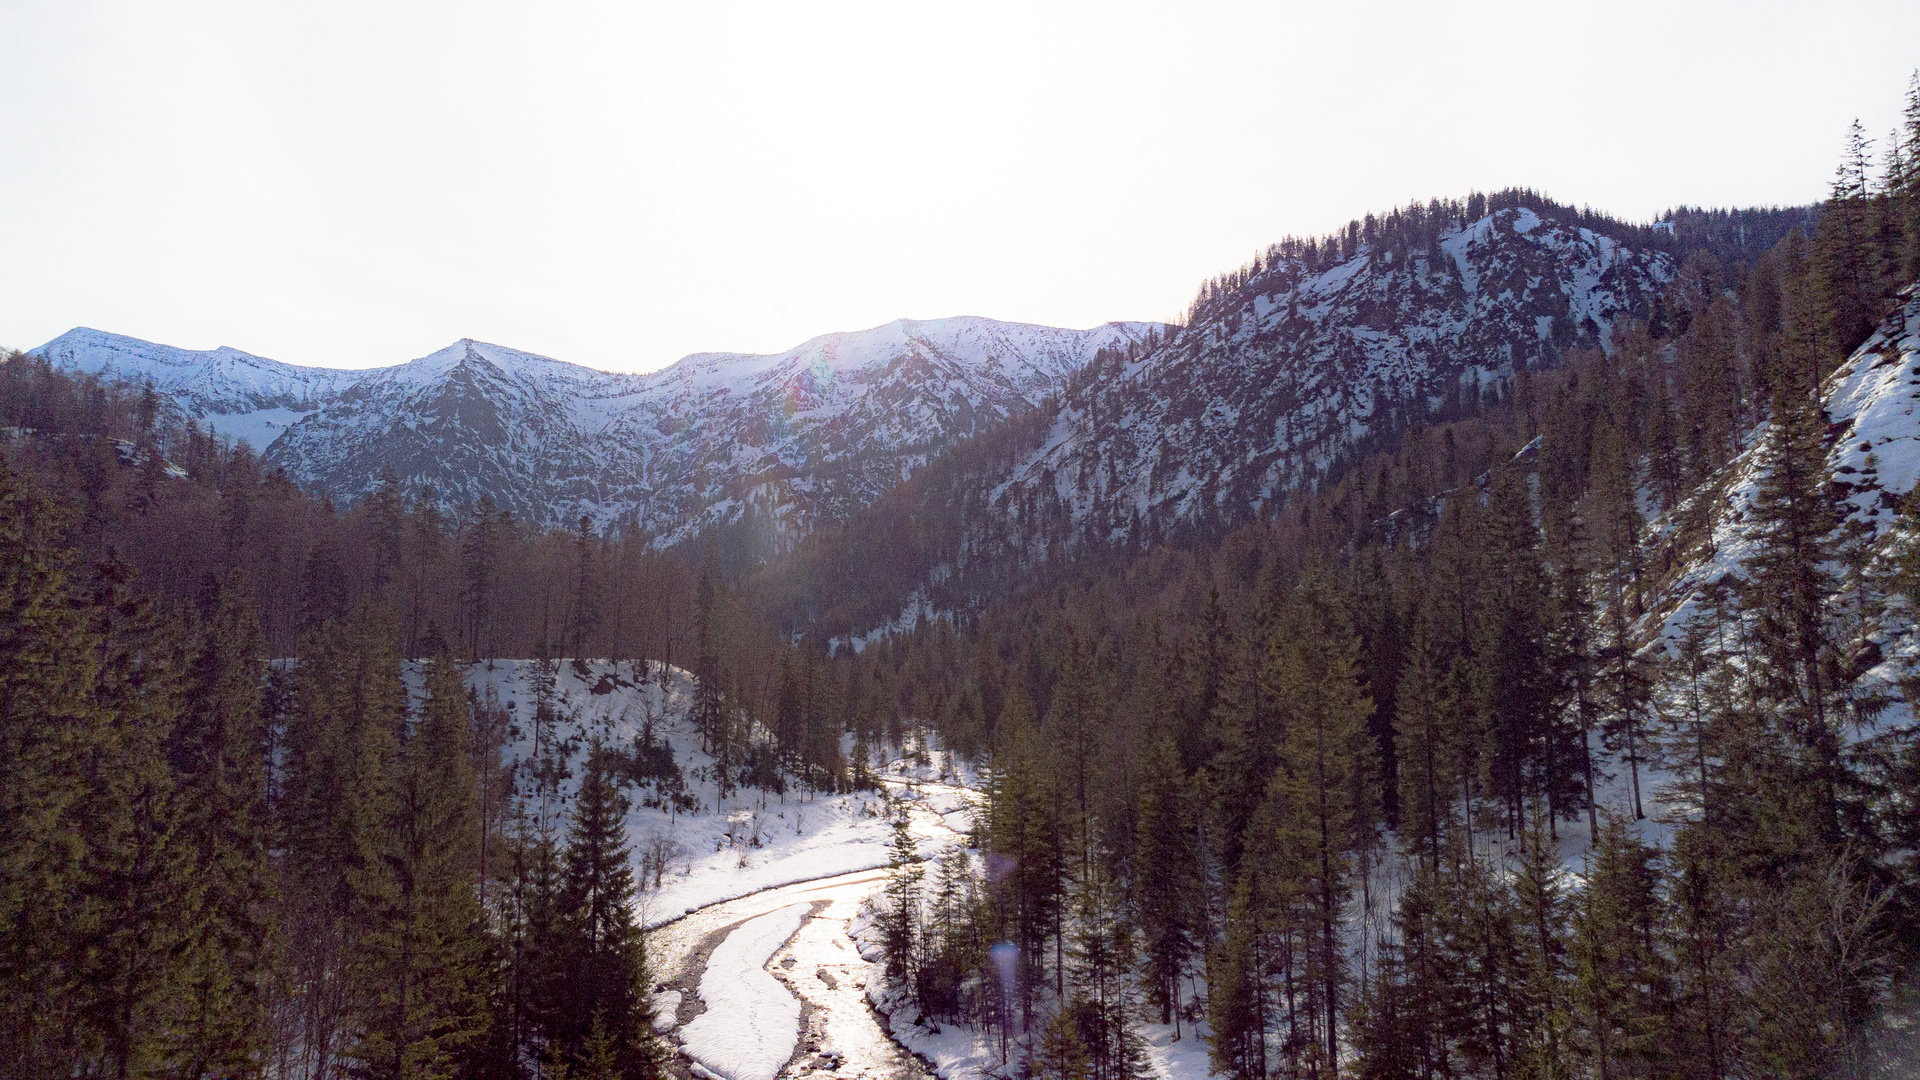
1622	984
601	962
340	743
426	935
49	661
219	754
1164	883
1327	777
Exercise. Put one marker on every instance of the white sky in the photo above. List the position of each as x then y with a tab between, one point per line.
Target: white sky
619	184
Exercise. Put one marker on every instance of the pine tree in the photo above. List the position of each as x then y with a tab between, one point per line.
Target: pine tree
1426	724
1509	684
1418	971
1024	832
479	567
1789	575
425	929
1702	921
1104	958
1327	778
1846	275
1075	716
789	716
1483	964
1622	988
138	891
1906	185
340	744
49	659
218	750
384	510
900	916
1164	877
1710	392
600	961
1060	1054
1236	985
1615	521
1540	933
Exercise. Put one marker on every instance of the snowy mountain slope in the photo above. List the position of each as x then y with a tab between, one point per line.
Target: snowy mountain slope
472	419
210	382
1272	380
1873	459
787	438
828	427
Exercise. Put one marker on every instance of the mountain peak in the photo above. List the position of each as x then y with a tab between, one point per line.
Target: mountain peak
818	430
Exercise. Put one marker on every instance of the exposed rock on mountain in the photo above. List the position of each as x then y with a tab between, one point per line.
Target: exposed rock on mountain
817	431
1301	358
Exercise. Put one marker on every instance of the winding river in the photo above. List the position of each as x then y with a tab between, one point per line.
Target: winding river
839	1034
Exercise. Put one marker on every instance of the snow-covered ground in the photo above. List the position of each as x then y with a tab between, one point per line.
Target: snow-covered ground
741	875
258	428
723	848
752	1022
839	1035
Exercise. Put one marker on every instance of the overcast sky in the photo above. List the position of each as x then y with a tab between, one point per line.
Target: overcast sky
619	184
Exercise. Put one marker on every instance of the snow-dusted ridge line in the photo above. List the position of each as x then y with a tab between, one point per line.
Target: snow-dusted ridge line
786	439
208	378
1274	380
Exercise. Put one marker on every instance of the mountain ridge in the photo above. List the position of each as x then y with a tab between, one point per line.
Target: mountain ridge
770	442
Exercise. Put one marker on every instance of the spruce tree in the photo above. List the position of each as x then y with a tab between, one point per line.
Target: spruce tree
1236	984
49	658
1789	574
1164	877
1426	725
1327	777
601	961
479	568
1621	989
425	930
138	891
1060	1054
900	916
219	754
340	744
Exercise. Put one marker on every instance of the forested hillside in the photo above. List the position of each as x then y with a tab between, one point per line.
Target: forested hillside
1287	371
1478	644
1570	736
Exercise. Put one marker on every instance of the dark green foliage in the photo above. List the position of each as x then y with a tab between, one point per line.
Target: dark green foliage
602	1007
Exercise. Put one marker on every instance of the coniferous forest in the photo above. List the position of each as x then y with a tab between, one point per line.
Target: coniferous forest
1406	774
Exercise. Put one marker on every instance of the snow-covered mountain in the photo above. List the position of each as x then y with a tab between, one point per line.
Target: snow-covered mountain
1280	372
1315	353
208	382
783	440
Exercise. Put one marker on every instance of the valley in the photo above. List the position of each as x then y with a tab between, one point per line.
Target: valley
1474	637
